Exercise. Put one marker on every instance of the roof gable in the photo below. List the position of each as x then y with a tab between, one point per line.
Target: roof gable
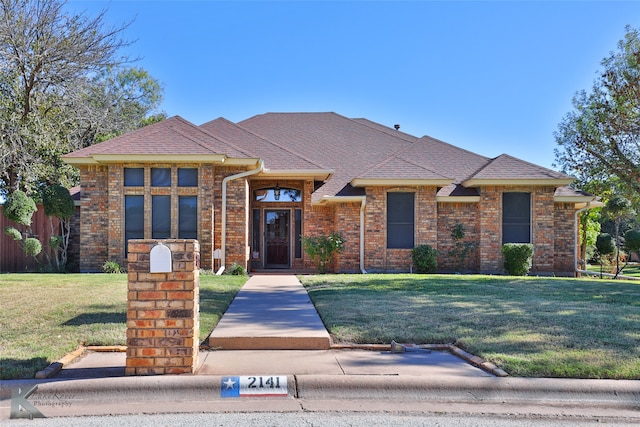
171	137
508	169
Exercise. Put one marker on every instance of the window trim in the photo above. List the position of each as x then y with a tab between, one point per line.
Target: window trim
392	225
530	216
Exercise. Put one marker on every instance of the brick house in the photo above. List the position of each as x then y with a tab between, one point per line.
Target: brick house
248	190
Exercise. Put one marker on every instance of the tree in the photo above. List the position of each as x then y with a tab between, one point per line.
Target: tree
63	86
599	141
605	245
617	209
58	204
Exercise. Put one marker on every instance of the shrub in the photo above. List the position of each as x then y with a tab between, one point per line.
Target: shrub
14	233
425	259
517	258
236	270
112	267
32	247
322	248
19	208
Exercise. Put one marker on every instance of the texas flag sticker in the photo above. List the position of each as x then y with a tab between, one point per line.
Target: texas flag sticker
254	386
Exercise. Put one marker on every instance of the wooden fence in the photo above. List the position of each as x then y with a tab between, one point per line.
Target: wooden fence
13	259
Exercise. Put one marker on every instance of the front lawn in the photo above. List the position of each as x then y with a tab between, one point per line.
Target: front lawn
529	326
44	316
632	270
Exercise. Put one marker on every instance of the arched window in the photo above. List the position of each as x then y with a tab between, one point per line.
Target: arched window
277	194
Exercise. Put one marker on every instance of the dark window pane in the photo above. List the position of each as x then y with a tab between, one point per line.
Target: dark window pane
255	246
400	220
188	217
160	217
134	177
133	219
187	177
298	235
516	218
161	177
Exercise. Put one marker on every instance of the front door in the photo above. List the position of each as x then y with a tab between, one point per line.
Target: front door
276	226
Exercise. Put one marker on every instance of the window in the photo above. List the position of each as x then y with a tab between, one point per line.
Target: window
160	217
133	219
298	235
400	220
161	177
187	177
255	247
187	217
134	177
516	218
278	194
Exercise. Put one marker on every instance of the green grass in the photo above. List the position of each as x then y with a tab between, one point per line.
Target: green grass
530	327
44	316
632	270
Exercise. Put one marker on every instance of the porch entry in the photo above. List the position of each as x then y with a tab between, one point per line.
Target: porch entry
277	234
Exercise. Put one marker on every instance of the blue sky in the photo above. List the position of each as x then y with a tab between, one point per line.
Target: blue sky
490	77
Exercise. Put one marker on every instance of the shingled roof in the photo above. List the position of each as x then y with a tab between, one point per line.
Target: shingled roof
345	153
171	137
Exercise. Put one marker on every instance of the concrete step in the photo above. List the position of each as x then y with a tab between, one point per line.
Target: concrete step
271	312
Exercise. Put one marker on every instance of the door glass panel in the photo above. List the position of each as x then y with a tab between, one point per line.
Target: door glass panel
277	238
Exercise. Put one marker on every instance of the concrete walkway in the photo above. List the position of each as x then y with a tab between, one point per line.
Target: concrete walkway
271	312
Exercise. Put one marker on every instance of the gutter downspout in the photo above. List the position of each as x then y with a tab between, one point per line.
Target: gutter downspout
362	222
223	245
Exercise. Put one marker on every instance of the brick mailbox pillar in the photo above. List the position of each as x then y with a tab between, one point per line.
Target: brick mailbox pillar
163	321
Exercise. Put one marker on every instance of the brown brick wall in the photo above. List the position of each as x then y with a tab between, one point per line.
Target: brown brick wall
163	320
564	230
450	214
102	222
94	218
347	220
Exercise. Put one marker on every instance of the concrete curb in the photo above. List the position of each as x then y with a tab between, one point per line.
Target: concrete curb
124	395
56	367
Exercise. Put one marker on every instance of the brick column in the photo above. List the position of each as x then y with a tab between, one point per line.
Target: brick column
163	322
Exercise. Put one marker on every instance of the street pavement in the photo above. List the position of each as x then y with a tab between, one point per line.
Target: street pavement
277	378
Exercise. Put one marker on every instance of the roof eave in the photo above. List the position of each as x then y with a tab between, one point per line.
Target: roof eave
146	158
370	182
326	200
458	199
317	174
554	182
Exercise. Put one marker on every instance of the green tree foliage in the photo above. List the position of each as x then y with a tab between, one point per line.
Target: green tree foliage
605	246
322	248
19	208
618	209
59	207
63	86
632	241
599	141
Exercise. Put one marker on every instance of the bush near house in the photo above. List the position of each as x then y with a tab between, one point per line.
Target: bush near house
322	248
517	258
425	259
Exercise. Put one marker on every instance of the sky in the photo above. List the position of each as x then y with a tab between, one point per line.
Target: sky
491	77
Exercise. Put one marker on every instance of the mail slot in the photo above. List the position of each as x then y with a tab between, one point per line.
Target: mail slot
160	259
